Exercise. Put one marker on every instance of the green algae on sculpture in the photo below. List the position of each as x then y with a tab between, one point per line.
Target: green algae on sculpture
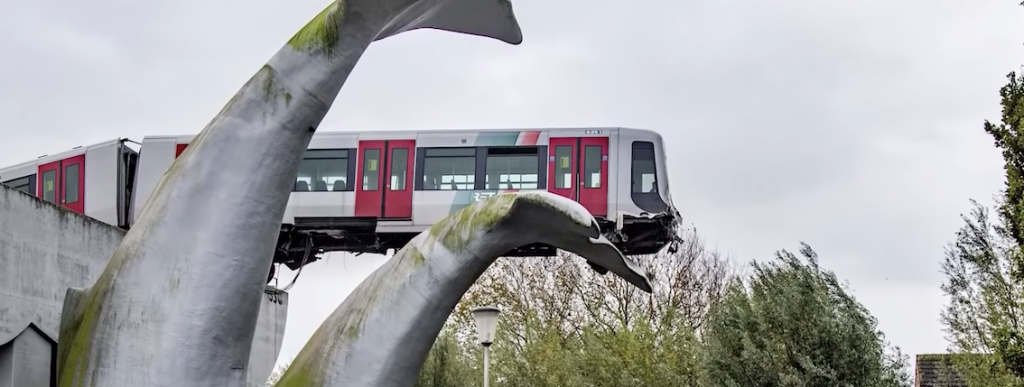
415	254
321	32
272	90
82	308
546	202
269	89
73	321
467	219
301	376
456	232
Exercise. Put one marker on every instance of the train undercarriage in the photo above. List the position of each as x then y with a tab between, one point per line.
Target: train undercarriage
305	241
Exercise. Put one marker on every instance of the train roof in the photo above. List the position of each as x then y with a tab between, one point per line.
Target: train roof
408	132
404	132
65	154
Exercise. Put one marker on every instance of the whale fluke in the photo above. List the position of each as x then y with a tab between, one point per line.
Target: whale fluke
488	18
177	303
381	334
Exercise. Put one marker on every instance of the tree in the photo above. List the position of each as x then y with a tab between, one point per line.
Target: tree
447	364
986	308
984	268
795	325
565	325
1008	136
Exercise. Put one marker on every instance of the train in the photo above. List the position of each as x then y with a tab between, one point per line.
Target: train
372	191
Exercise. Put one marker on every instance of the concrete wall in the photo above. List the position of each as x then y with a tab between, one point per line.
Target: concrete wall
44	250
27	360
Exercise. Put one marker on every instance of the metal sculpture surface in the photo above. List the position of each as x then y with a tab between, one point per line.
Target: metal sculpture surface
381	334
177	303
180	295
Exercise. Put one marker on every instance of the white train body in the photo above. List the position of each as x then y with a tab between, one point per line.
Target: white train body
94	180
372	191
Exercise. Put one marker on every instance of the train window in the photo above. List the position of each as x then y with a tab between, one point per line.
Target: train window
449	169
371	169
25	184
644	170
512	168
563	166
71	180
323	170
399	166
592	166
50	186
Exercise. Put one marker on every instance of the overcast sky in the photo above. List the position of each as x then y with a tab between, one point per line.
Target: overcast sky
853	126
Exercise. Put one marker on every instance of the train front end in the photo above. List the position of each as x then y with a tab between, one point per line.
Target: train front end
646	220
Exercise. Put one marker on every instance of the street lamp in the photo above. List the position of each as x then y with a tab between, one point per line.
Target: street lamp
486	323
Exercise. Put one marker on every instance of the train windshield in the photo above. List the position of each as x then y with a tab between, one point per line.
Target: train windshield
644	168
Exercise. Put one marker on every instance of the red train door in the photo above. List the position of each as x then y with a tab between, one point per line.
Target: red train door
49	182
578	170
562	166
384	176
369	199
398	187
593	170
63	182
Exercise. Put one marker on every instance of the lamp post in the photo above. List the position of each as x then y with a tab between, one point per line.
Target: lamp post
486	323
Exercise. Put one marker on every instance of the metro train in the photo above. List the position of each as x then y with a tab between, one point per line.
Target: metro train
368	192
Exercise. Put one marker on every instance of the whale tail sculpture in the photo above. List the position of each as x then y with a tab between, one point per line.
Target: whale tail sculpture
177	303
487	18
381	334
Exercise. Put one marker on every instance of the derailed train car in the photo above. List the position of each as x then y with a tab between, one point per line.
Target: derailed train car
94	180
368	192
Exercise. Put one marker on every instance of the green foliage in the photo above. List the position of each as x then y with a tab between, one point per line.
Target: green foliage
984	315
984	267
564	325
447	365
795	325
1008	137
